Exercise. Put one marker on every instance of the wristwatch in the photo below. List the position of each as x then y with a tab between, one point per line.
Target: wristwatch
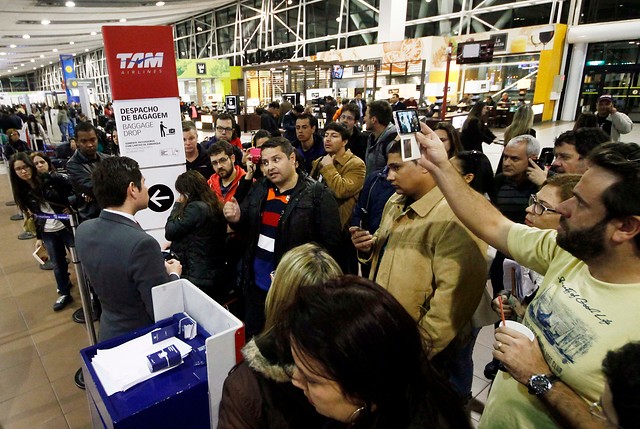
539	384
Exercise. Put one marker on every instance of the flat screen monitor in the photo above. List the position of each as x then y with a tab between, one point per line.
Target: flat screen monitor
475	52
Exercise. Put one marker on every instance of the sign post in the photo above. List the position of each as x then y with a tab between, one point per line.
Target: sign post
144	85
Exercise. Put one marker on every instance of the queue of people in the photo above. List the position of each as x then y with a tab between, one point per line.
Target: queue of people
285	228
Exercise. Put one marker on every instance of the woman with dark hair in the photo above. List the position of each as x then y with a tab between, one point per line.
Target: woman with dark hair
15	144
48	193
474	130
586	120
197	230
450	137
42	162
36	133
361	360
476	169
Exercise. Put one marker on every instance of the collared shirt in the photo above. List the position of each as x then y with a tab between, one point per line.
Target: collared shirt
127	215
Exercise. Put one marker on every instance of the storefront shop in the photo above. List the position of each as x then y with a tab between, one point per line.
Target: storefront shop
612	68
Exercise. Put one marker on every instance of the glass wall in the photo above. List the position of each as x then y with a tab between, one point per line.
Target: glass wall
608	10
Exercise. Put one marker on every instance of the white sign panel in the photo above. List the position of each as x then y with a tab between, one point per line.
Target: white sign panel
162	195
150	131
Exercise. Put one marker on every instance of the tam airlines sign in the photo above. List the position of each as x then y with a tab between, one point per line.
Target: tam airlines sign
141	61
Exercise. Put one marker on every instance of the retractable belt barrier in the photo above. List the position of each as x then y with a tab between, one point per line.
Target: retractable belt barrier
82	284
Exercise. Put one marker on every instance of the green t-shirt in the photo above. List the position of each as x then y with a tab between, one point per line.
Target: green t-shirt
576	319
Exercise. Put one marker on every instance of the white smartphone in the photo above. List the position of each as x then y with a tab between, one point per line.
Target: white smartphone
407	125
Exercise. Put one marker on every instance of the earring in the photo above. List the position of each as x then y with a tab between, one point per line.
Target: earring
356	414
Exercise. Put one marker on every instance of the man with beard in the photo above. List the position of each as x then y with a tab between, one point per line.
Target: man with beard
229	180
587	303
282	210
357	143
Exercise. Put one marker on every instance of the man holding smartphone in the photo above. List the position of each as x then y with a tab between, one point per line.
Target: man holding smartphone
610	120
425	258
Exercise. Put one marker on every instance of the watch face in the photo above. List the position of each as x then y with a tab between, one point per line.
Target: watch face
539	384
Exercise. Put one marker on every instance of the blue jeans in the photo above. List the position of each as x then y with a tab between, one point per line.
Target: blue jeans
64	130
56	244
461	375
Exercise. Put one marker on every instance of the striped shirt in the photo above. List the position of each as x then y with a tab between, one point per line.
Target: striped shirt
264	262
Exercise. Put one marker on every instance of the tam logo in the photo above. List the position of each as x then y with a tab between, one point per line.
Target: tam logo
141	60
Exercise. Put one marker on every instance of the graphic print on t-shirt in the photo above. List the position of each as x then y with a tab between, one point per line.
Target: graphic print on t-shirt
564	332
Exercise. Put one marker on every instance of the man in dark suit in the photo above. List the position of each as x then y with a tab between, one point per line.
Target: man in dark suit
122	262
396	103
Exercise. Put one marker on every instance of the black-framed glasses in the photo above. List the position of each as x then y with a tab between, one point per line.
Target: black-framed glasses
224	129
221	161
538	208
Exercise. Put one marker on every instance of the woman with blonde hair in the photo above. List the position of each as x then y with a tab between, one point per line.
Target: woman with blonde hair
258	392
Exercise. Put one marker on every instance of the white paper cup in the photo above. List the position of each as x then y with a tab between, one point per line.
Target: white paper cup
511	324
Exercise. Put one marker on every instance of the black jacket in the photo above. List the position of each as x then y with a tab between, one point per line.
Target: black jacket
202	164
79	168
474	133
311	215
15	147
198	239
358	142
57	191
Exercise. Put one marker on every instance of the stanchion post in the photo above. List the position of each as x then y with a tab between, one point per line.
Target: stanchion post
85	295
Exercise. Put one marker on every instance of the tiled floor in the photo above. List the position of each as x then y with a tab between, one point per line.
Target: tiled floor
39	348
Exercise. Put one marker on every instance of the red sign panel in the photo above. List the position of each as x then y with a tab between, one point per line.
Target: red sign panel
141	62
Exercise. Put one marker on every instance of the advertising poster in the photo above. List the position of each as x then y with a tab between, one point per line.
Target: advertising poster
150	131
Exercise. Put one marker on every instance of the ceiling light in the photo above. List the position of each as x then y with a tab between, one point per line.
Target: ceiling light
86	49
45	22
41	55
15	68
72	42
199	28
55	49
3	53
93	33
26	36
160	3
34	68
123	19
50	62
22	65
12	46
9	70
73	55
32	60
70	4
41	65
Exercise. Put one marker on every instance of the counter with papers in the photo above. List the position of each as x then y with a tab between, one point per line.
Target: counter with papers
123	392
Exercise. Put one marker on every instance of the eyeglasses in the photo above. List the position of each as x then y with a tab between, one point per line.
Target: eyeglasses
220	161
538	208
224	129
23	168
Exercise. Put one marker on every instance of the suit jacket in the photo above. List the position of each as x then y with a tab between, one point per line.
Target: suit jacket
123	263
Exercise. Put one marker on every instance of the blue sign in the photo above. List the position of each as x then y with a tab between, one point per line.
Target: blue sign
68	72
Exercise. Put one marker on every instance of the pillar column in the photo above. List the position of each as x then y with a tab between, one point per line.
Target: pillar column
392	20
574	82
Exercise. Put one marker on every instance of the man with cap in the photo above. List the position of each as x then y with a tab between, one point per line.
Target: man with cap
610	120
